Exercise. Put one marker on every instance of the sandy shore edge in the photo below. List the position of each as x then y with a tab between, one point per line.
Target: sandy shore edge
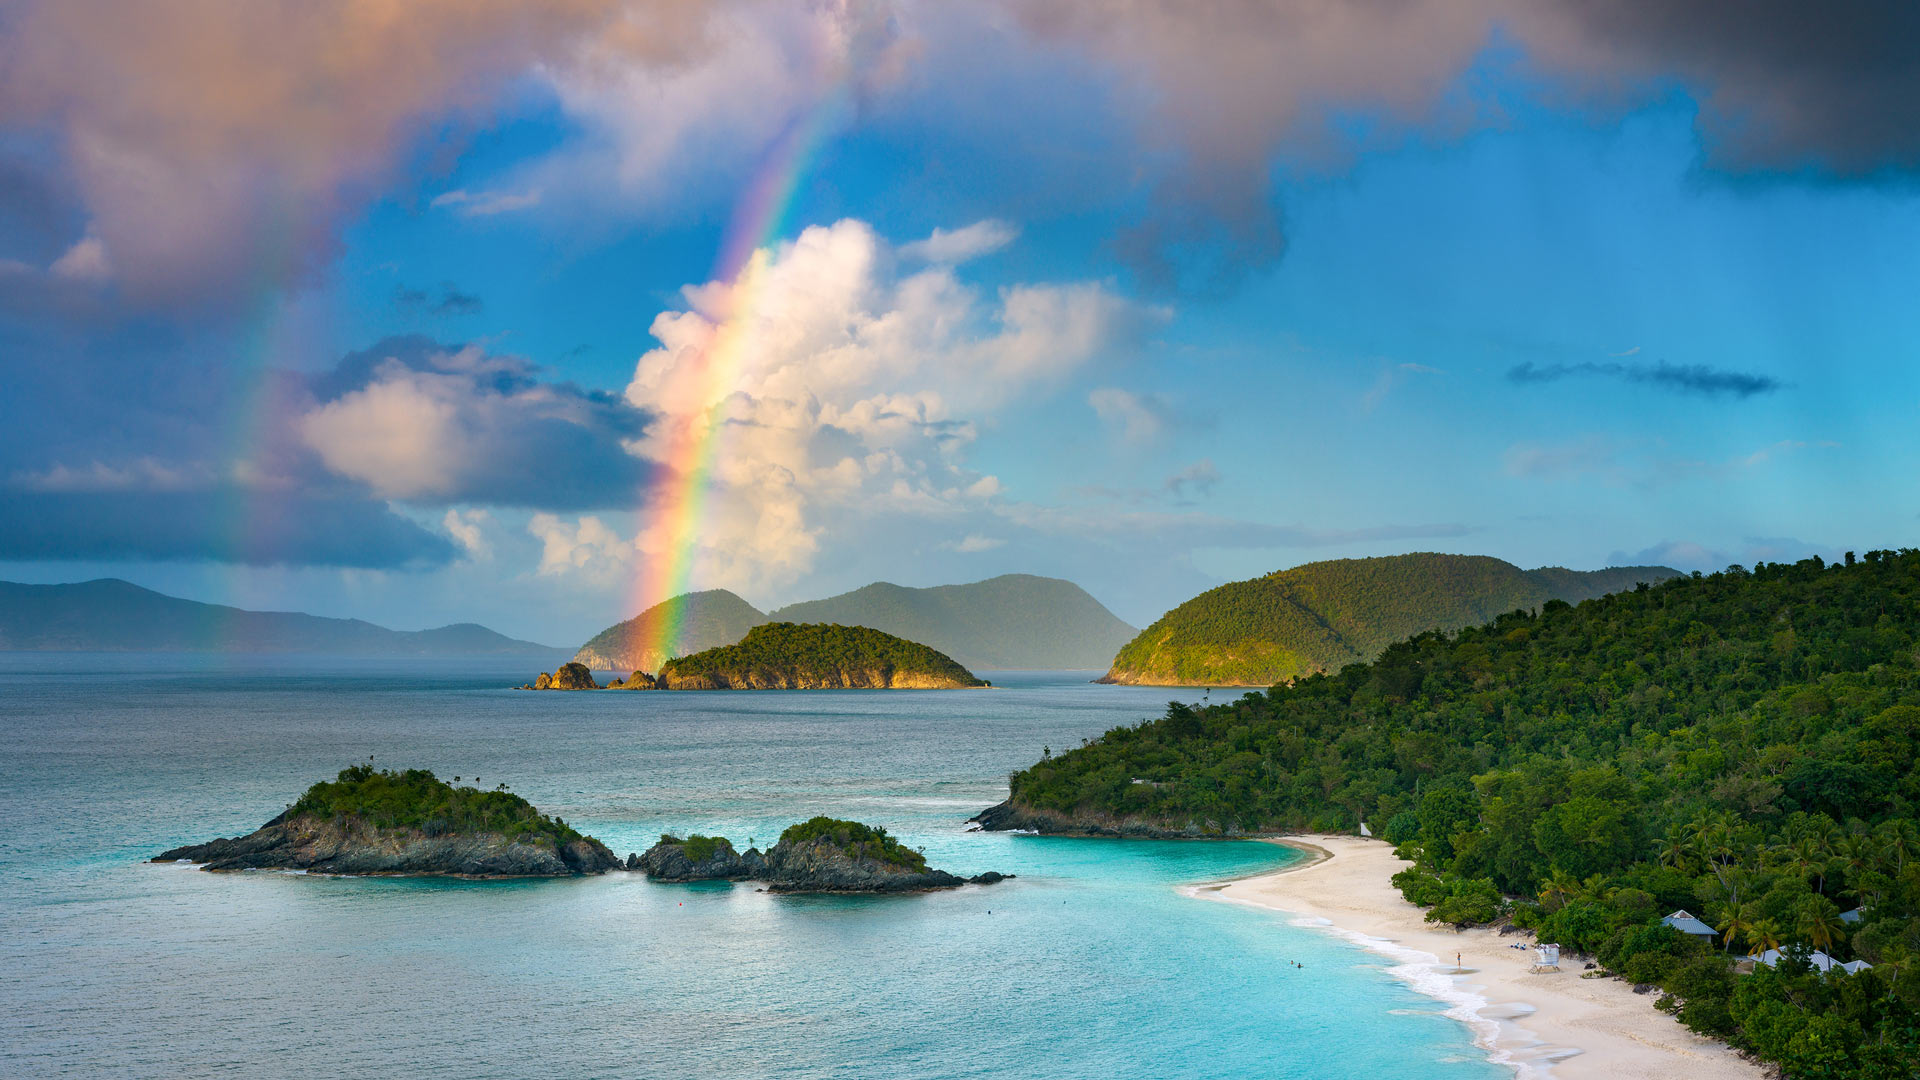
1545	1027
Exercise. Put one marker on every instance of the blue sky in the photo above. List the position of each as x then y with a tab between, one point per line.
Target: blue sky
1475	281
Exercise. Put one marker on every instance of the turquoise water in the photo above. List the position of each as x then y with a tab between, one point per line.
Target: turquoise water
1090	964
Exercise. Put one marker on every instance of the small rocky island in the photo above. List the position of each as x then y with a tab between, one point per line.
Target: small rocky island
569	676
820	855
791	656
407	823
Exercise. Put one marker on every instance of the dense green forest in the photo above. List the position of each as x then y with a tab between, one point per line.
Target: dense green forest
1741	745
1323	616
416	799
814	654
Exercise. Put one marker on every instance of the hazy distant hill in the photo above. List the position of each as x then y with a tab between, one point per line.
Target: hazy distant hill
1325	615
110	615
706	620
1012	621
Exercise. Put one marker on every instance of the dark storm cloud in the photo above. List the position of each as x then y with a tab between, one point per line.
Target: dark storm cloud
1783	85
1680	378
227	524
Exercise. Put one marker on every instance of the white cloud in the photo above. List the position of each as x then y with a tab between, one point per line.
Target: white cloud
959	245
465	527
1137	419
974	542
400	436
86	260
414	421
486	203
843	388
588	548
1391	378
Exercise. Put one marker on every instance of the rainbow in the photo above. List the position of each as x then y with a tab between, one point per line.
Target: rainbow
759	220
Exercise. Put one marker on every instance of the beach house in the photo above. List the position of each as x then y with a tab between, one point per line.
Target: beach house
1821	962
1690	926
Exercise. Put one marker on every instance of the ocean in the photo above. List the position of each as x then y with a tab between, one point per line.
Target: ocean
1092	963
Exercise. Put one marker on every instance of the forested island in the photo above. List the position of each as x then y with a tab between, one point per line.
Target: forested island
1322	616
1741	744
385	822
816	656
819	855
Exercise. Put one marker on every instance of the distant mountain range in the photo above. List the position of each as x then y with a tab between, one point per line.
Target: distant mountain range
1012	621
1325	615
110	615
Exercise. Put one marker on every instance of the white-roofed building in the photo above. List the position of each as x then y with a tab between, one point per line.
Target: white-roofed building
1685	923
1821	962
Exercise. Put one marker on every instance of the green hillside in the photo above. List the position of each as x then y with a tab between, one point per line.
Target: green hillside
816	656
1012	621
1325	615
1745	745
705	619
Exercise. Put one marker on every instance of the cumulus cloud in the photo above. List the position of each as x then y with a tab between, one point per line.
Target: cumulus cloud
413	420
1679	378
834	384
467	527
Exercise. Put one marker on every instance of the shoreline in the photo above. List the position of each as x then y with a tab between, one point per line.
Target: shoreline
1556	1026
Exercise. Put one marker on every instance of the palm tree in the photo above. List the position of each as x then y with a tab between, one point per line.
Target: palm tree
1736	920
1666	852
1559	888
1819	922
1899	840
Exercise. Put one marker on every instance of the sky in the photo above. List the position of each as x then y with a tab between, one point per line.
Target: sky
531	314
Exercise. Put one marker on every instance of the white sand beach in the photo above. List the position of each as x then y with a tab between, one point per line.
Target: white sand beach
1558	1026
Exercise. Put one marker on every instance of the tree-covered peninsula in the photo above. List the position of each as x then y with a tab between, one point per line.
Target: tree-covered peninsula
813	656
1322	616
1742	745
411	823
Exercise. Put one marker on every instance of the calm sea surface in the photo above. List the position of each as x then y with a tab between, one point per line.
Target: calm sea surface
1091	964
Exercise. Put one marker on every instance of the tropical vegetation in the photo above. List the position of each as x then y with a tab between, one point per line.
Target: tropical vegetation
776	654
1325	615
1741	744
416	799
856	840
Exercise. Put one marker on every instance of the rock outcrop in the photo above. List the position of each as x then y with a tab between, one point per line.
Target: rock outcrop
569	676
639	680
699	858
1011	817
349	845
817	856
